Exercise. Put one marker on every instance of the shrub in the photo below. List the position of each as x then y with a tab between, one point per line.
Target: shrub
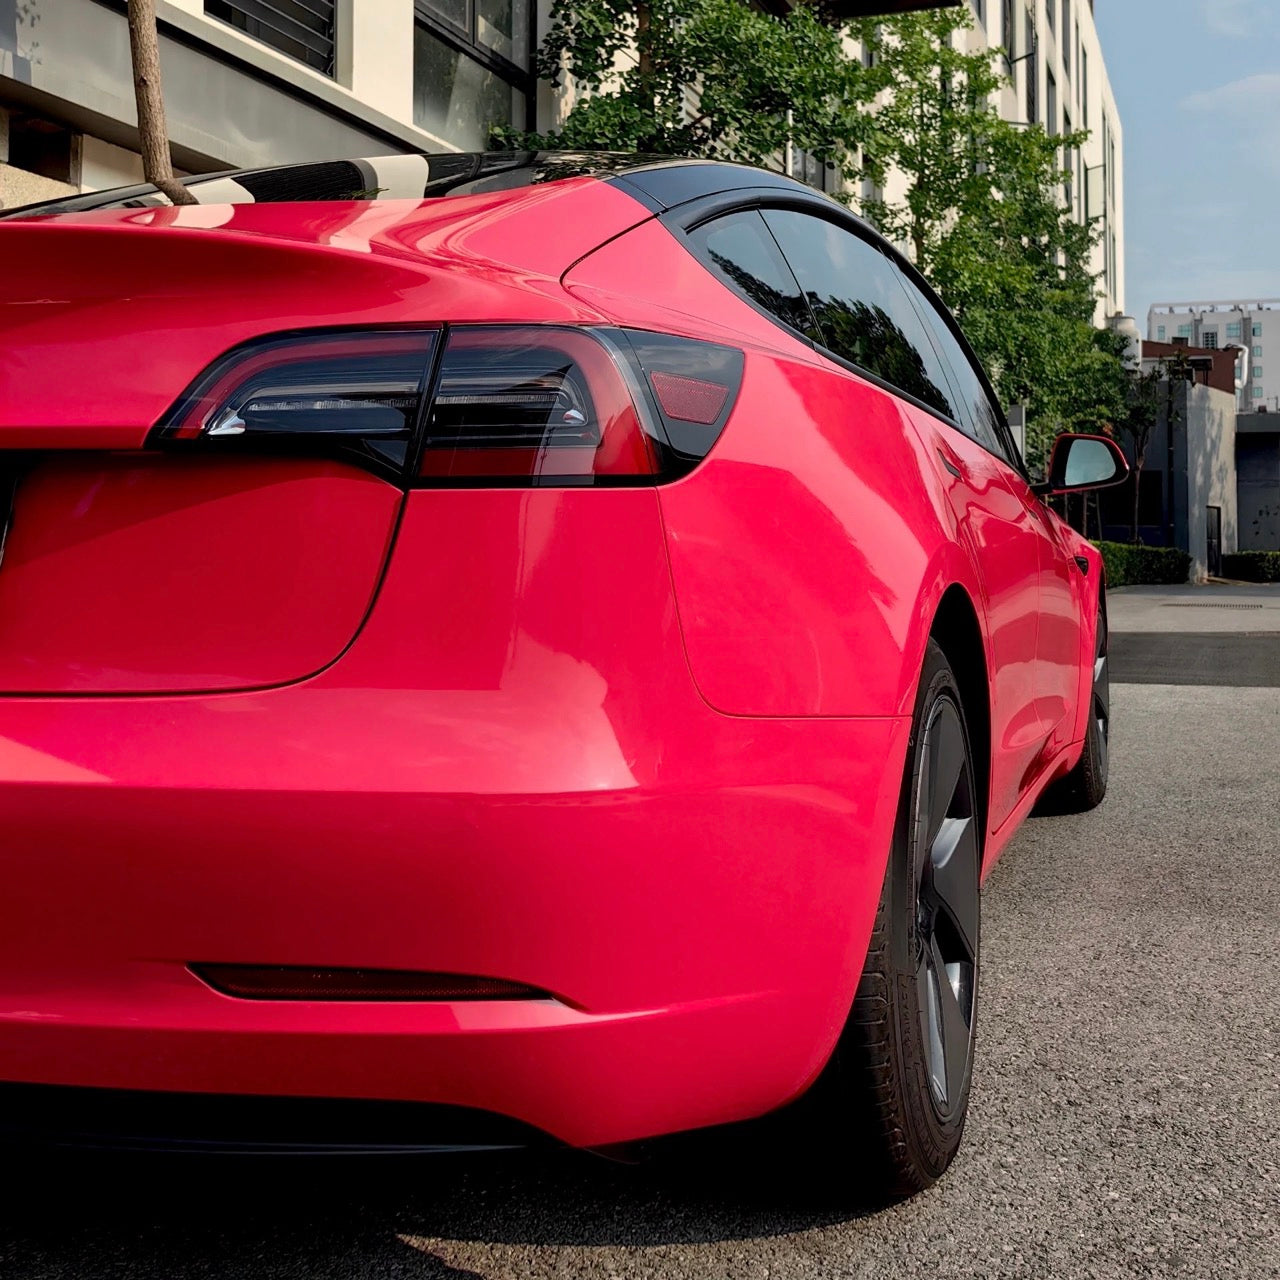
1252	566
1128	565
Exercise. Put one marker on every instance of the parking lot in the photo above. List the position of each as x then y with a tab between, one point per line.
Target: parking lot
1126	1116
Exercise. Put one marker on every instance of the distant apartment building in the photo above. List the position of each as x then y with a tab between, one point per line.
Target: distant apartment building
1250	326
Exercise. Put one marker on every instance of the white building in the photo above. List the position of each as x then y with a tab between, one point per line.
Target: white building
1253	325
261	82
1051	52
255	82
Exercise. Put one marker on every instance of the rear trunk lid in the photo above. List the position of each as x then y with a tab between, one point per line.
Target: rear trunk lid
131	569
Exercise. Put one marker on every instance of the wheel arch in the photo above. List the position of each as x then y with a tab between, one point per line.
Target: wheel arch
958	632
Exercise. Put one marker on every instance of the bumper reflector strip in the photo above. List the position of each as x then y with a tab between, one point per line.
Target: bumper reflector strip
289	982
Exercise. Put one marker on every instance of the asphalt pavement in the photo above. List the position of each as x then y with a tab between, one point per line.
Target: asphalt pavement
1125	1119
1214	635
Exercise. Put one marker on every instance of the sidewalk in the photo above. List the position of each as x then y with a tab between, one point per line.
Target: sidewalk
1212	635
1211	609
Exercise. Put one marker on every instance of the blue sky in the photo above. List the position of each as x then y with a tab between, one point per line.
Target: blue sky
1197	83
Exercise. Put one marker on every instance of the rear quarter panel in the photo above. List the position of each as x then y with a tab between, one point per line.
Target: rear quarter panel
810	550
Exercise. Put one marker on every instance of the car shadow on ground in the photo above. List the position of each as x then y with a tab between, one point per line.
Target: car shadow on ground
178	1218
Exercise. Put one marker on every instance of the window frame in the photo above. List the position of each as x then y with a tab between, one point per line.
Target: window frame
463	40
329	71
690	217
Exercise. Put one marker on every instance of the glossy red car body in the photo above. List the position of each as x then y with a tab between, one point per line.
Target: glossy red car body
640	748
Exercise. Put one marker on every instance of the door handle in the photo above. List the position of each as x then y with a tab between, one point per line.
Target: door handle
950	465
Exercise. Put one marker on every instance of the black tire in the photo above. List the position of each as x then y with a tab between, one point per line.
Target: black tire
880	1097
1085	787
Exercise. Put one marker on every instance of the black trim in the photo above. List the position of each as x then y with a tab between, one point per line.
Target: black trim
669	184
128	1119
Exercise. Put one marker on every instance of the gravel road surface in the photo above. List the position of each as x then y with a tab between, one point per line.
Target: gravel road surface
1125	1121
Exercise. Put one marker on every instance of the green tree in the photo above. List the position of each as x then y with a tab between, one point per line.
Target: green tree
979	200
710	78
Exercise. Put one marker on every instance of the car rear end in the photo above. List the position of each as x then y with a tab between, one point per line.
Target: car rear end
350	750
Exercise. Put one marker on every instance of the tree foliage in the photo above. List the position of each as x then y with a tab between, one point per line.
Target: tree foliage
979	200
711	78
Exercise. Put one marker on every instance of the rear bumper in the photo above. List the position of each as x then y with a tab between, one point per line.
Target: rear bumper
509	775
700	925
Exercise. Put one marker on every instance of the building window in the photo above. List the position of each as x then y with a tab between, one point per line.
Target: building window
980	11
1209	339
1233	329
44	147
303	29
1257	393
1050	102
807	168
1184	331
1008	34
1257	331
1257	372
1050	14
1033	74
869	48
1066	34
1160	333
1257	353
470	69
1084	88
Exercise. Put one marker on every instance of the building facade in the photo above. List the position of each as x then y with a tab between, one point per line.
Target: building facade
1258	480
1188	495
261	82
1252	326
1051	53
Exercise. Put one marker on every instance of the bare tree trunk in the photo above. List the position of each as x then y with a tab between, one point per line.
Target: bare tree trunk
153	133
1139	458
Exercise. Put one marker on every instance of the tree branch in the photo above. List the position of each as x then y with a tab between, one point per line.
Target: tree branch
153	133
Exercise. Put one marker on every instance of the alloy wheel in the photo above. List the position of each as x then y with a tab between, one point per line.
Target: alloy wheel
945	862
1101	704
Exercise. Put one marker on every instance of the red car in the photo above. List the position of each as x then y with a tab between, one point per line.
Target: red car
553	640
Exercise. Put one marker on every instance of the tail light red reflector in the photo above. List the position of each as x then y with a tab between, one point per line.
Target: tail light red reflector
689	399
281	982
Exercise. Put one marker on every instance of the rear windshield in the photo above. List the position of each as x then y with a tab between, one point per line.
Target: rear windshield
397	177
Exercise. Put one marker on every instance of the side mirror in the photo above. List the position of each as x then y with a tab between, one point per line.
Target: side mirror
1084	462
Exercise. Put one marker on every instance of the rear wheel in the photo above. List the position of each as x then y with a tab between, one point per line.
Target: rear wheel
896	1092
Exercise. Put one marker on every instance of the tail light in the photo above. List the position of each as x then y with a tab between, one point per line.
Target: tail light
473	405
353	390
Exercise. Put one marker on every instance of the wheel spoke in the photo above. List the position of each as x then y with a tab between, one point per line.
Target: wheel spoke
953	884
953	1020
929	997
946	761
1102	685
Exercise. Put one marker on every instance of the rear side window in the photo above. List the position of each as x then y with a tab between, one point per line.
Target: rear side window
975	413
740	249
857	298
